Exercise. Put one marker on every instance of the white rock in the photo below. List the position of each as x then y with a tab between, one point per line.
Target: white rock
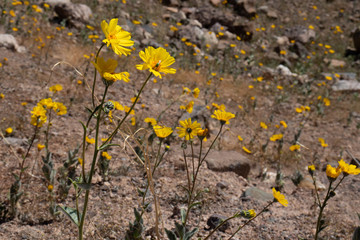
284	71
345	85
9	41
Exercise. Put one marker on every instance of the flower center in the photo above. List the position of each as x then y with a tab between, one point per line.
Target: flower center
189	130
157	66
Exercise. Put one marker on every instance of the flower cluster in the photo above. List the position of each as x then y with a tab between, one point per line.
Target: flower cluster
38	117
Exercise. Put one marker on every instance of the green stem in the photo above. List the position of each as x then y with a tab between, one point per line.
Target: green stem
96	151
322	207
27	153
246	223
191	190
95	71
127	114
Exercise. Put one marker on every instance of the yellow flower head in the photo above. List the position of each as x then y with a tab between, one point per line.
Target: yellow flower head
9	130
90	140
276	137
106	155
152	121
162	131
157	61
283	123
40	146
348	168
203	133
223	116
119	39
188	107
188	129
322	142
278	197
196	92
332	172
107	70
294	147
56	88
50	188
38	117
311	169
263	125
59	108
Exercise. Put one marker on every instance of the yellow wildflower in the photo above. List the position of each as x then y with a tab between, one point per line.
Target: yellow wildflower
196	92
332	173
188	130
263	125
119	39
151	121
157	61
322	142
106	155
223	116
348	168
107	69
162	131
283	123
9	130
276	137
40	146
246	150
294	147
90	140
278	197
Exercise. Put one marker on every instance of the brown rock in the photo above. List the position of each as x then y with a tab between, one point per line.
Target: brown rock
307	183
228	161
356	39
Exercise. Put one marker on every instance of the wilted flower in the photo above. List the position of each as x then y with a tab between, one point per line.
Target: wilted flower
107	71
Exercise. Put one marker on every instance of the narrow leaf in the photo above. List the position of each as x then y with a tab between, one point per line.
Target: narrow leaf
71	213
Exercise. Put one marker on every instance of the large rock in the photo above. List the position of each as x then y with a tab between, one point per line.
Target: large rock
258	194
228	161
209	15
53	3
345	85
9	41
300	33
308	183
244	8
75	14
356	39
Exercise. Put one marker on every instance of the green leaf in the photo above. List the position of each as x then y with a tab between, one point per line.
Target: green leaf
71	213
194	204
171	235
183	215
180	229
189	235
108	145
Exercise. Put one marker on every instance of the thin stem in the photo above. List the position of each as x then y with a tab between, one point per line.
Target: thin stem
192	159
127	114
317	194
191	190
96	151
322	207
27	153
212	143
95	71
222	223
246	223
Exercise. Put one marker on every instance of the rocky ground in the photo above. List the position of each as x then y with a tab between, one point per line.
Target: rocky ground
266	61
